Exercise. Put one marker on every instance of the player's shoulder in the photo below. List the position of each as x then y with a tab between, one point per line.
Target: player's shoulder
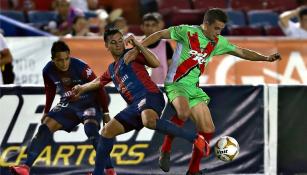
222	39
48	67
77	61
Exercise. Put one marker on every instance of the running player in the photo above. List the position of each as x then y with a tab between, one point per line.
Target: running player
61	74
144	98
195	47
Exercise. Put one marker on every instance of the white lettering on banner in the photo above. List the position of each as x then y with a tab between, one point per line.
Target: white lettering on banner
28	116
8	106
295	63
30	56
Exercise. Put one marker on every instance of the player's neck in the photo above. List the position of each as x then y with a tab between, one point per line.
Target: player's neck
116	57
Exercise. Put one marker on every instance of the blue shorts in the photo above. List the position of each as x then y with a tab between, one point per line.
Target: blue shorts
70	115
130	117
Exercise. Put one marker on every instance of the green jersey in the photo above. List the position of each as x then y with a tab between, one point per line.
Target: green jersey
193	52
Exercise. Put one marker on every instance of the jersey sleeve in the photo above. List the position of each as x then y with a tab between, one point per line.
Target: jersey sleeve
50	90
223	46
141	59
88	73
105	78
178	32
104	99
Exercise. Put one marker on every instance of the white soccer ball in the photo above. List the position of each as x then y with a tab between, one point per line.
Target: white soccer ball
226	148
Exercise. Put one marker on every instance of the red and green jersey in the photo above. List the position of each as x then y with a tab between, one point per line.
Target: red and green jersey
193	52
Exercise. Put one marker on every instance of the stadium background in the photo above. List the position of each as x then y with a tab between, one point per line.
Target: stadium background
262	105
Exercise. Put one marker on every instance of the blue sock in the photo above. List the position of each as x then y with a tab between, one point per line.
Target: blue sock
168	128
92	132
102	153
38	143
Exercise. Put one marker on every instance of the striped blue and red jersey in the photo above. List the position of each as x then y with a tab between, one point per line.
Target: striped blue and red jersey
61	82
131	80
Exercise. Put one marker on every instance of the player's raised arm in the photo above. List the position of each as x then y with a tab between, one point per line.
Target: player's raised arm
162	34
151	58
253	55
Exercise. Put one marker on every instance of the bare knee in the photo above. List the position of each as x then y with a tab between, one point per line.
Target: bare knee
149	118
150	122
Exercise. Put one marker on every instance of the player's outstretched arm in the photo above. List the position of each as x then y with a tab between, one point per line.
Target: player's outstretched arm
151	58
162	34
80	89
253	55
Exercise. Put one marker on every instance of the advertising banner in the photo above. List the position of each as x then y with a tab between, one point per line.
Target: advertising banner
237	111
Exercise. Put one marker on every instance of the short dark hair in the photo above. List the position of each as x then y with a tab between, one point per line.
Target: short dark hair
302	12
150	17
109	32
215	14
59	46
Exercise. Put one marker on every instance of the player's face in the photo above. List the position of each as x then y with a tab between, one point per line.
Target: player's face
115	44
214	29
150	27
303	22
62	60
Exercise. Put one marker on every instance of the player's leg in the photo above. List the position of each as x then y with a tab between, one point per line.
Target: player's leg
205	127
38	143
105	144
92	119
179	98
181	106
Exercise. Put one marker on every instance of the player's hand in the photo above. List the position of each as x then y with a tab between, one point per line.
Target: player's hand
77	90
131	40
274	57
131	55
106	118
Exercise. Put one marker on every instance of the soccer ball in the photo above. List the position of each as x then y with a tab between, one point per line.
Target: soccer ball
226	148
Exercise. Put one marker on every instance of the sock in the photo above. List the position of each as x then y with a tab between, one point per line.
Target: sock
104	148
197	154
166	127
92	132
168	139
38	143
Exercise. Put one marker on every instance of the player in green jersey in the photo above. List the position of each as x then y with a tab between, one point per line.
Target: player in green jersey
196	45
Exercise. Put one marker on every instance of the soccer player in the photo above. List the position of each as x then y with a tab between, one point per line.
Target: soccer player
195	47
144	98
61	74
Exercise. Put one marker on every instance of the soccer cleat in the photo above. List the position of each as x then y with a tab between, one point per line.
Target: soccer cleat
20	170
110	171
198	173
164	161
202	145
